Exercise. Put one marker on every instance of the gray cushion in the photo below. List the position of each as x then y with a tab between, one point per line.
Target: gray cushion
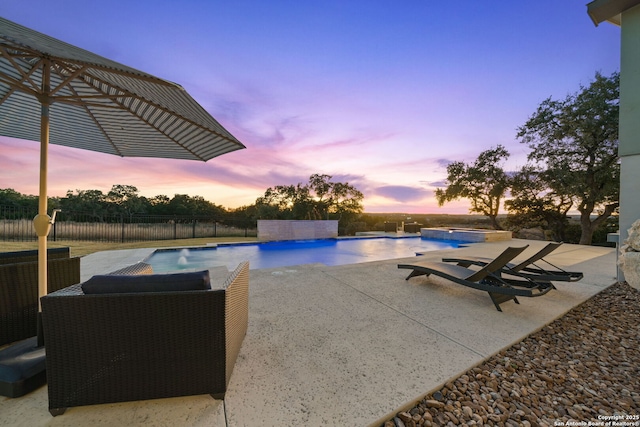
111	284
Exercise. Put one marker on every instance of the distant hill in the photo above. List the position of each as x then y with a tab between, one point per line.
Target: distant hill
435	220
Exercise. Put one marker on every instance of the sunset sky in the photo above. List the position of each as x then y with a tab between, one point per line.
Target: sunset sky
381	94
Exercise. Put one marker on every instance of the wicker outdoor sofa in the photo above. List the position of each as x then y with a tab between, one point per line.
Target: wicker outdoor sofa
121	345
32	255
19	288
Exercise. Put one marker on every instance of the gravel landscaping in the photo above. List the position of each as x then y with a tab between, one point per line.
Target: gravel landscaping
582	369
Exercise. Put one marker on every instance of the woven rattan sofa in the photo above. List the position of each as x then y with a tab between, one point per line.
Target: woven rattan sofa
19	288
124	346
32	255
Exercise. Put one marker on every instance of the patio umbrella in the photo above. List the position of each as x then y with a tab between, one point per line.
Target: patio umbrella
53	92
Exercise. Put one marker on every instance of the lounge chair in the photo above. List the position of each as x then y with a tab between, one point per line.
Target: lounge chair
485	279
527	268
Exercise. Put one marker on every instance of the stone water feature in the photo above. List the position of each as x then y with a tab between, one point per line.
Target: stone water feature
629	259
276	229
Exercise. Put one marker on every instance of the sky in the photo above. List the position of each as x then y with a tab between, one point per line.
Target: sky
382	94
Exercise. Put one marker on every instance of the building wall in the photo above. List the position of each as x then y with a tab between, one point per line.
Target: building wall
630	83
269	230
629	142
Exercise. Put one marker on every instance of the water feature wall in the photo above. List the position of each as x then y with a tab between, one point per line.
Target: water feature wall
276	229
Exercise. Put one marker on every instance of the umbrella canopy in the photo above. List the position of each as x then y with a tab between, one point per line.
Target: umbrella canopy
98	104
51	91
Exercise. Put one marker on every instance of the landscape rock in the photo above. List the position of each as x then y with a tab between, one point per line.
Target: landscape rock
434	404
633	239
583	365
629	258
630	264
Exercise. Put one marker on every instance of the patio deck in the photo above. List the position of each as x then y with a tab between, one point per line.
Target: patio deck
343	345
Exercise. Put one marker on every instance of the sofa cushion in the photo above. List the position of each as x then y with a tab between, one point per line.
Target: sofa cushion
111	284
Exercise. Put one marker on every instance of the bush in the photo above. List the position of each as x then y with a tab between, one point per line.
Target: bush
600	234
574	231
352	228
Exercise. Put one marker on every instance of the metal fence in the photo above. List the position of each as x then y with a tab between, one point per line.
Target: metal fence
16	225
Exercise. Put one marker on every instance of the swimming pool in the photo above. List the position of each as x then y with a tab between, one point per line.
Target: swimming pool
288	253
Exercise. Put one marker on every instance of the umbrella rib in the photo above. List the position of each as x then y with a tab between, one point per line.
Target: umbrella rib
113	70
72	75
82	73
73	100
26	52
11	90
84	106
77	99
171	137
114	99
128	94
25	76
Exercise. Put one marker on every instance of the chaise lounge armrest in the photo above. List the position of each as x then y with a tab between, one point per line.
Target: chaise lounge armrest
114	347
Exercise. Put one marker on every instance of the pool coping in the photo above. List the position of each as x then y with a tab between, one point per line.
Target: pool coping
473	235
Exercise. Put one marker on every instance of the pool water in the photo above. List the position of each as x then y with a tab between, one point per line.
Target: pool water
296	252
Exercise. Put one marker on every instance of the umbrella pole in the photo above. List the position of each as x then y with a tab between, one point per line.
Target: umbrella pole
42	221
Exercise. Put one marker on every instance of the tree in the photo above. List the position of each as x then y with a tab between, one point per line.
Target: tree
334	198
10	197
244	216
484	183
159	205
576	141
533	204
92	202
318	199
278	202
183	204
126	200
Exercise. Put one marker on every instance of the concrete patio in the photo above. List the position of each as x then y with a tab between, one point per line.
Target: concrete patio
343	345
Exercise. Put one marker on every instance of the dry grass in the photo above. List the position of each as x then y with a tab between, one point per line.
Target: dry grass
86	248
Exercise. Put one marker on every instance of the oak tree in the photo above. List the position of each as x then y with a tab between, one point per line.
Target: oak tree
575	140
484	182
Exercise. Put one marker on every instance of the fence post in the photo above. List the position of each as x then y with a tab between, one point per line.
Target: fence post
215	228
193	228
122	228
175	228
